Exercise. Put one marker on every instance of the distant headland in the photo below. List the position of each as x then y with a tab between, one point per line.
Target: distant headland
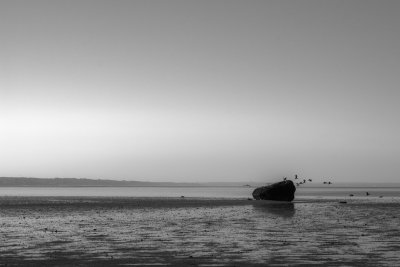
85	182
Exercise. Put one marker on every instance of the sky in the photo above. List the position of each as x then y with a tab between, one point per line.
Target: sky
200	91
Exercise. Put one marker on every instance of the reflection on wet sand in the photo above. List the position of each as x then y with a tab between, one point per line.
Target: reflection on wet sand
283	209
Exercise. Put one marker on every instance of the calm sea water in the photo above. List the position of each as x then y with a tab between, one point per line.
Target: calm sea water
200	192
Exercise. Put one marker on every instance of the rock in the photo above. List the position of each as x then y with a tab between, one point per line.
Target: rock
281	191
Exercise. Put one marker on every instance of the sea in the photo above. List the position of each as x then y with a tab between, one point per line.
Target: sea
233	192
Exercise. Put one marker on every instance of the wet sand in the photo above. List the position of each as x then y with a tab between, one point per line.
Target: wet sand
94	231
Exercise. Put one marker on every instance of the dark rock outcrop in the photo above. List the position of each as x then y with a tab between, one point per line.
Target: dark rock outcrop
281	191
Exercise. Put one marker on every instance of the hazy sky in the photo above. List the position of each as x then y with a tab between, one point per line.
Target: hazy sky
200	90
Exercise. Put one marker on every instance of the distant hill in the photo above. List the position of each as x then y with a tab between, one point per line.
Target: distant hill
81	182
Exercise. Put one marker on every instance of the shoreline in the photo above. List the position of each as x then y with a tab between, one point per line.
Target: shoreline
175	202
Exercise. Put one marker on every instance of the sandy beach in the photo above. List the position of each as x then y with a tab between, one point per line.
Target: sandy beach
82	231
